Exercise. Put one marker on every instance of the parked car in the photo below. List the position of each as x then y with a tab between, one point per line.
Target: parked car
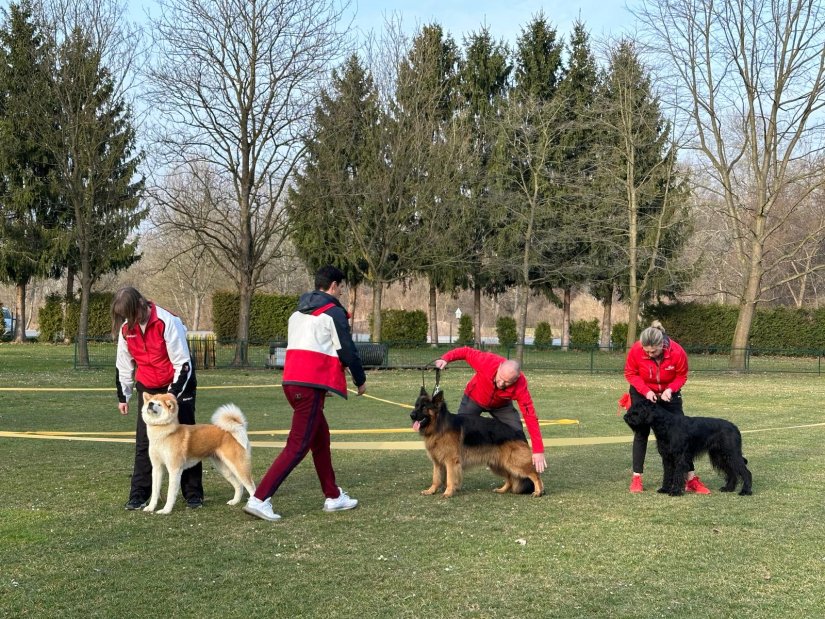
8	321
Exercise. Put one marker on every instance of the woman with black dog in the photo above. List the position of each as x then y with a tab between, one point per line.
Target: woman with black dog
656	368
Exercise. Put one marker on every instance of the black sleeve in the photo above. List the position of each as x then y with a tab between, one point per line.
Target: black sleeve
120	397
348	353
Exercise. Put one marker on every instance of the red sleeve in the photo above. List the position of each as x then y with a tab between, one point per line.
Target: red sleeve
679	358
464	353
528	412
631	372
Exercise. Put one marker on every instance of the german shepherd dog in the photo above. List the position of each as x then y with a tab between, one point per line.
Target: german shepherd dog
457	441
679	439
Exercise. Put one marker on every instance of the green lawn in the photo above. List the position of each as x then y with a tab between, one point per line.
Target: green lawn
586	549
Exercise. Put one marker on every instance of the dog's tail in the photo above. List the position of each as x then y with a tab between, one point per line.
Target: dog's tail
230	418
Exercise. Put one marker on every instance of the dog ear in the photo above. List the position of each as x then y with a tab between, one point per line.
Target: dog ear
423	391
438	398
146	397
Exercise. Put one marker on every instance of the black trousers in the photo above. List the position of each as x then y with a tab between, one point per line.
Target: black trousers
191	482
506	414
641	435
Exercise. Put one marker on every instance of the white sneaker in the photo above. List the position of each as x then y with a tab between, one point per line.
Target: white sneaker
261	509
341	503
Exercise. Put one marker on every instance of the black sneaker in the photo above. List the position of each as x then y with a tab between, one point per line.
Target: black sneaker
136	503
194	503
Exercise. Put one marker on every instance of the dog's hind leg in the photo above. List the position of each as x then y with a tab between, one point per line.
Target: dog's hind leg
747	479
229	476
239	479
438	476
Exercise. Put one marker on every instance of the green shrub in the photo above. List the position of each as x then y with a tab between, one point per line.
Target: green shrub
618	335
584	334
543	337
50	318
506	331
466	337
404	326
100	316
268	316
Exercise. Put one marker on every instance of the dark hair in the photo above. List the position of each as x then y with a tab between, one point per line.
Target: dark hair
326	276
129	305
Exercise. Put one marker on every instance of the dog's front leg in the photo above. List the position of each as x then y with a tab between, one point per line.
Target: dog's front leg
680	470
667	474
157	482
453	478
438	474
174	486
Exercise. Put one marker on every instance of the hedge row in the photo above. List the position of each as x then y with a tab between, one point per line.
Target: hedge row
698	326
50	317
268	315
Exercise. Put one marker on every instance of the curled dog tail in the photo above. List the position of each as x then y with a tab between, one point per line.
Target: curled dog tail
230	418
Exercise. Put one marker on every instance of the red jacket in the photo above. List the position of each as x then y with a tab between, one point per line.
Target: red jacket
645	374
483	391
158	355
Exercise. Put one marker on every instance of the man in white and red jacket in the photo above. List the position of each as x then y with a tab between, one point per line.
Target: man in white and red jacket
153	357
494	386
319	347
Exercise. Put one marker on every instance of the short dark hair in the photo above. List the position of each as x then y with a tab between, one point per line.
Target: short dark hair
326	276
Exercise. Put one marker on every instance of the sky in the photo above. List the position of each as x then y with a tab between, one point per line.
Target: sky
504	18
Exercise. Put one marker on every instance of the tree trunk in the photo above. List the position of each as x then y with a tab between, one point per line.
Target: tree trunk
433	315
477	314
565	318
747	308
20	324
607	322
82	342
69	297
377	291
244	306
524	295
353	305
196	317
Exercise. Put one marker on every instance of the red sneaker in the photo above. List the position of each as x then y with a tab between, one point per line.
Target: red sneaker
696	485
636	484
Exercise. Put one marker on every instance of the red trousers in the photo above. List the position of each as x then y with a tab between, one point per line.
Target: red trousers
309	432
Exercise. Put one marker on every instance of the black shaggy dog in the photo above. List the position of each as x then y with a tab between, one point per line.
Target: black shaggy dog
680	439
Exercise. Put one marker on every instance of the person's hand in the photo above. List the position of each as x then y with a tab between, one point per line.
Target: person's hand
362	389
667	394
651	396
440	364
539	462
123	407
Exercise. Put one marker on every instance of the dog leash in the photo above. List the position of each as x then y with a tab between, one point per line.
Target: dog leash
437	386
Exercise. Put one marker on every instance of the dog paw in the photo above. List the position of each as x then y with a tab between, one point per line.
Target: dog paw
746	493
448	494
233	501
165	511
149	508
726	489
538	494
429	491
679	492
662	490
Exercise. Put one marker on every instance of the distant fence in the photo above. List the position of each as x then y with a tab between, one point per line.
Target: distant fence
216	354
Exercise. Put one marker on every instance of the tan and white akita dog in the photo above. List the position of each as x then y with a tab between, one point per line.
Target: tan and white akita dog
175	447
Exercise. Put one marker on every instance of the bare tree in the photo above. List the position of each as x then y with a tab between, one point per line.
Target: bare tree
234	88
749	78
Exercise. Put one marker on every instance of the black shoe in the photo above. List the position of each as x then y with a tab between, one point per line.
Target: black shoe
136	503
194	503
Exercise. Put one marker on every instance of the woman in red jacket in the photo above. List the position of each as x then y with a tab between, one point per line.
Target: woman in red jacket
656	368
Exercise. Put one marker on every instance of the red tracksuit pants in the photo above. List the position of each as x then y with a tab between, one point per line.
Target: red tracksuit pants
309	432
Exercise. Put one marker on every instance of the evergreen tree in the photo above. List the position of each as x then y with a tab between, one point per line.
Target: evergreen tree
484	81
94	144
28	199
643	224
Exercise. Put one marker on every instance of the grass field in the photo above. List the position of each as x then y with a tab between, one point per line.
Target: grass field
586	549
